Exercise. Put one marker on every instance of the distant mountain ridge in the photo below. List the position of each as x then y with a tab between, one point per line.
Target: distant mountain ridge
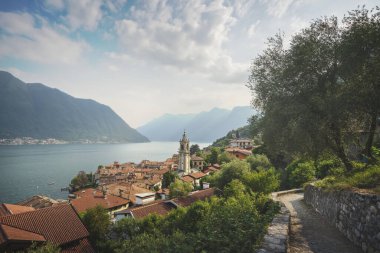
37	111
202	127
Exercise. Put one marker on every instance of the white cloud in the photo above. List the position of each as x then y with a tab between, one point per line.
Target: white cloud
188	35
55	4
23	38
84	13
252	29
277	8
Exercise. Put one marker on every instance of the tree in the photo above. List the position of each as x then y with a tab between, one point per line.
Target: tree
180	188
302	95
194	149
168	178
225	157
97	222
44	248
300	172
213	157
258	161
81	180
361	67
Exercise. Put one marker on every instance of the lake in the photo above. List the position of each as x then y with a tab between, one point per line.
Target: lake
28	170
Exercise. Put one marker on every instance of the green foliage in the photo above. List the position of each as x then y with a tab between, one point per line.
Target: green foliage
300	172
366	178
231	223
225	157
234	188
318	94
168	178
262	181
97	222
212	158
82	180
329	167
180	188
194	149
44	248
257	161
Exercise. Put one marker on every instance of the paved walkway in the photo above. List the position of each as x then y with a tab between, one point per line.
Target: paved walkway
310	232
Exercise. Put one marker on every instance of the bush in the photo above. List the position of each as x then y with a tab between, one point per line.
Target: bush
299	173
258	161
368	179
329	167
263	181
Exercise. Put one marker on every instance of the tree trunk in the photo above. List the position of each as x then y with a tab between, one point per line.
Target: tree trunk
339	149
371	135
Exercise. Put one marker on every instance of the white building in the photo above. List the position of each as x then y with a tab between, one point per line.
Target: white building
184	155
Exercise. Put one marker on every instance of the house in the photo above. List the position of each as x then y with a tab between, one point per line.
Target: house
239	153
20	226
90	198
40	201
163	193
241	143
197	162
209	170
197	176
145	198
125	190
163	207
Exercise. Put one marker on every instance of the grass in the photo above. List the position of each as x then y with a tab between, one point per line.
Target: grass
367	178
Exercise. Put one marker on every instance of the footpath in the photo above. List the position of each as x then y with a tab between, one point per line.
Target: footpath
310	232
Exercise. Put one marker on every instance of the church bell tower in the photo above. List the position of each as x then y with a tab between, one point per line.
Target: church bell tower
184	155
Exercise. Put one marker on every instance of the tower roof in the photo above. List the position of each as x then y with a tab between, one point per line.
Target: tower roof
184	136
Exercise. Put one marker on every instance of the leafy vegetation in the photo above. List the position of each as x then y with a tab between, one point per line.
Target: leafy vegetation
319	94
44	248
82	180
180	188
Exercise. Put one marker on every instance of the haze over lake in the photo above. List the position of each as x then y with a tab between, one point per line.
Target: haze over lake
28	170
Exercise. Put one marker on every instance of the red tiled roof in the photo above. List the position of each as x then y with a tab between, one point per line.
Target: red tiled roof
15	209
89	199
198	195
59	225
16	234
187	179
159	207
82	246
197	175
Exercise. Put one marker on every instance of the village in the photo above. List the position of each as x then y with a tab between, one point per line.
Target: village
123	189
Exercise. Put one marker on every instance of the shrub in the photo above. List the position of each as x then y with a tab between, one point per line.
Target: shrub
329	167
299	173
370	178
258	161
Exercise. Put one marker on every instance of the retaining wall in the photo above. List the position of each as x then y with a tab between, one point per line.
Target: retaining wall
356	215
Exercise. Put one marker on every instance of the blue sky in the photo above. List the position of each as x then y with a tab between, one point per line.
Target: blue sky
147	58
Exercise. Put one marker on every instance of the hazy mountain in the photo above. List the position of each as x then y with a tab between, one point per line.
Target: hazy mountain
202	127
35	110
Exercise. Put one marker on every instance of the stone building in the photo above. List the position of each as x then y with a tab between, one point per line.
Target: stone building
184	155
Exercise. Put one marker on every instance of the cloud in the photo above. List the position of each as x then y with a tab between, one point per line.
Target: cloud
187	35
84	14
26	37
277	8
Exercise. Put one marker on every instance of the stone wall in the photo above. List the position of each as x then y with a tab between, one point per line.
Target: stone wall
356	215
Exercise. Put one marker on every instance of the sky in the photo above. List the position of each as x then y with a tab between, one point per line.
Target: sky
148	58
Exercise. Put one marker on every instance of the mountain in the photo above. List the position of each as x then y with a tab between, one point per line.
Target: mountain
202	127
37	111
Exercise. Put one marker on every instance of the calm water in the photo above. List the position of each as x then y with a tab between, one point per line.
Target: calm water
27	170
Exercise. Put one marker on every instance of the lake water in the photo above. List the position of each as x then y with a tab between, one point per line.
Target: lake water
27	170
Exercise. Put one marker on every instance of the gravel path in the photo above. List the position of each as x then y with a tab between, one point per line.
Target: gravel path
310	232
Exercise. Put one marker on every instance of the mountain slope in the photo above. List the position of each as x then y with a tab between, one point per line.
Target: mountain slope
35	110
201	127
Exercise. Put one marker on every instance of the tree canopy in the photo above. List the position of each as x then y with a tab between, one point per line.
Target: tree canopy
314	95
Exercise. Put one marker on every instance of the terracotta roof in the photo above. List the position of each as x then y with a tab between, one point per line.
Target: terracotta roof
158	207
88	199
196	158
194	196
160	172
210	169
39	201
187	179
60	225
197	175
15	209
16	234
163	207
128	190
82	246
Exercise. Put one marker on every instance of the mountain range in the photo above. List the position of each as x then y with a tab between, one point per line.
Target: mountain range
37	111
201	127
